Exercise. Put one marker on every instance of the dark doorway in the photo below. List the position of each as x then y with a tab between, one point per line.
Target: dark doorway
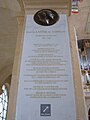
89	114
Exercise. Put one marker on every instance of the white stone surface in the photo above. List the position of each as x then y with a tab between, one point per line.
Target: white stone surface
61	97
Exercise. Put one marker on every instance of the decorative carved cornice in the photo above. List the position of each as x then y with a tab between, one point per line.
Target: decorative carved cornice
63	5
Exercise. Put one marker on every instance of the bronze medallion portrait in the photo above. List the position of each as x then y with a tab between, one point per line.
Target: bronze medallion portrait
46	17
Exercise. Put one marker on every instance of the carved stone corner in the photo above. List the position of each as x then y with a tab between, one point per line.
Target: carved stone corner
20	20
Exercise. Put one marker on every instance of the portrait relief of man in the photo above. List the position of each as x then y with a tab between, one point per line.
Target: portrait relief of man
46	17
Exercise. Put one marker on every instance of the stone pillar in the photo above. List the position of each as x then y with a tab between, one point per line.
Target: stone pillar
79	98
80	108
15	74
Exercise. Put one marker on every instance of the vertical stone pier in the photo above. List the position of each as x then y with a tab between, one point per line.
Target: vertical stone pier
77	83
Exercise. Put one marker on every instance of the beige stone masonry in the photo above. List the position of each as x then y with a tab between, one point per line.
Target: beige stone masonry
80	108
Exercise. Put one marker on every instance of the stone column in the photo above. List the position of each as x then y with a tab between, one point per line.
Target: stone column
79	98
80	108
15	74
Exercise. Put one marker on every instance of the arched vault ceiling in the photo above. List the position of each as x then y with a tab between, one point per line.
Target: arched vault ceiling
10	4
8	34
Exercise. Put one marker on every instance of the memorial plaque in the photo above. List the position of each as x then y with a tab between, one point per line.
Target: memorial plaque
46	90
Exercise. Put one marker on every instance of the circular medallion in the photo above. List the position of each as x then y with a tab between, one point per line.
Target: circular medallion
46	17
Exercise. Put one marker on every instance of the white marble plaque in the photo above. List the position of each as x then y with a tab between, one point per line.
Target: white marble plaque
46	90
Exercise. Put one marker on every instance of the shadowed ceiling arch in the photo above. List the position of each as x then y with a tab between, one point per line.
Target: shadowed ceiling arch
9	10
